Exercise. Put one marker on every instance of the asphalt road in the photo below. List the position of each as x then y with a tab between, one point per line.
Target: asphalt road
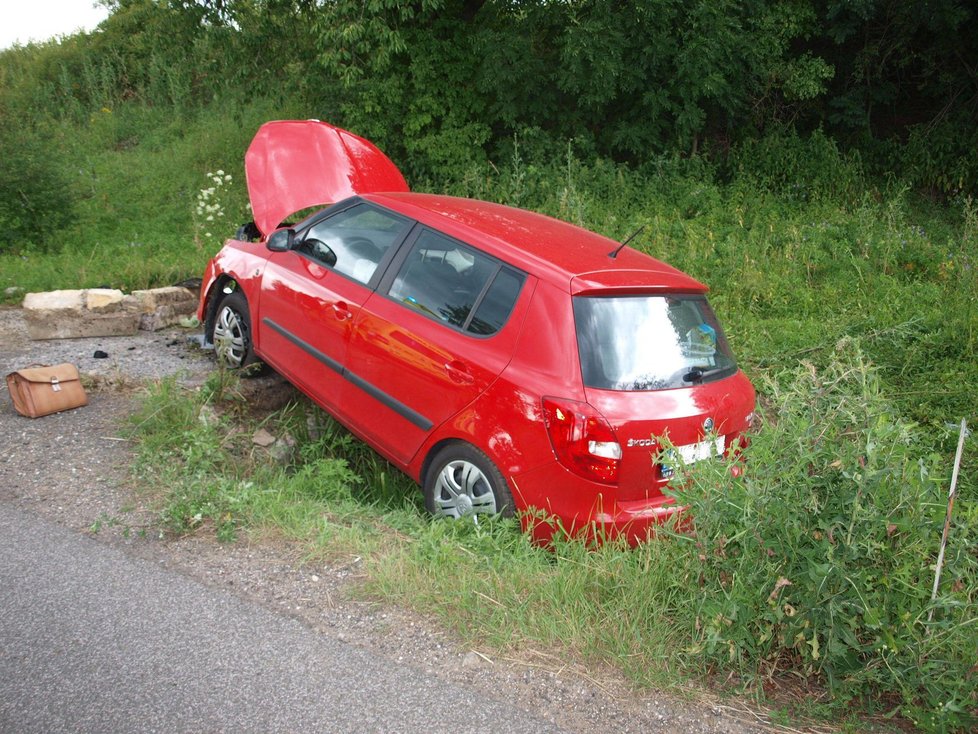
94	640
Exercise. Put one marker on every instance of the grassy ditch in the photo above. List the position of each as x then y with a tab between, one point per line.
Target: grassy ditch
814	565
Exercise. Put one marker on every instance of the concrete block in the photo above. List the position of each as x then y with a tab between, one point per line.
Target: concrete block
103	299
73	314
75	325
54	300
160	307
150	300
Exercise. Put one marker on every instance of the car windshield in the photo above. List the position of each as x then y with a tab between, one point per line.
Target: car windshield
649	342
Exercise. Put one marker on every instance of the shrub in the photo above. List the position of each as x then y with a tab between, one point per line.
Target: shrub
35	199
798	168
940	157
820	556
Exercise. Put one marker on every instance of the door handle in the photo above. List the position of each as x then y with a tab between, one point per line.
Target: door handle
342	311
459	373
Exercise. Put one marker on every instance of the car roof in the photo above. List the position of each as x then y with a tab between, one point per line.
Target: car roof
567	256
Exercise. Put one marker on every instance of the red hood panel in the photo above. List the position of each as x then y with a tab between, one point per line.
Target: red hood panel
294	164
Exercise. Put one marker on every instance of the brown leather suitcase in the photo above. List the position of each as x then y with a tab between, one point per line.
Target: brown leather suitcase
42	390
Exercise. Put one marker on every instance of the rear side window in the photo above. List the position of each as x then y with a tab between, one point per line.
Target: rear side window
450	282
649	342
497	304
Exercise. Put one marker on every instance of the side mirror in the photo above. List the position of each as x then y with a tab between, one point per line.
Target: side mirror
281	240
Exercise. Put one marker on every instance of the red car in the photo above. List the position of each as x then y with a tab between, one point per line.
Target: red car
507	361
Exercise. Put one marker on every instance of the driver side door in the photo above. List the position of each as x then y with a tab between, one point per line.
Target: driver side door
312	294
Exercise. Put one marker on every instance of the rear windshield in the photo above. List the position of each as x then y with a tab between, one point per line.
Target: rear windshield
649	342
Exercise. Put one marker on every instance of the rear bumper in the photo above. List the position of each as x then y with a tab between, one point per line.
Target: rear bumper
556	503
633	525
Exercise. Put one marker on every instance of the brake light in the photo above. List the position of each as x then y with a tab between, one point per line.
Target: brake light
582	439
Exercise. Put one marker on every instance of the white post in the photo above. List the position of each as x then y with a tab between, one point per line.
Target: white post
947	518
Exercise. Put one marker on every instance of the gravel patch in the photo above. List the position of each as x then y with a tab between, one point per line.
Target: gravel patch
146	355
74	468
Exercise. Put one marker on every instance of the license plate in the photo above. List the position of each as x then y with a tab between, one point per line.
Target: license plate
691	453
702	450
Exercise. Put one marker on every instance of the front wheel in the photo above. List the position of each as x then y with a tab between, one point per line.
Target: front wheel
232	332
462	481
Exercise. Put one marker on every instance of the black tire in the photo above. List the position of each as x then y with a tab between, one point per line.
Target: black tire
232	334
462	481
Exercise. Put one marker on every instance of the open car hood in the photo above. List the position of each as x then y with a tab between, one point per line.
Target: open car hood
295	164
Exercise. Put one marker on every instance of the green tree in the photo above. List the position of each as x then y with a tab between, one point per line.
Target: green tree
444	84
633	79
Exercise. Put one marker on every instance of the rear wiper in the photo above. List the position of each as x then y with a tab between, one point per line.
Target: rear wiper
696	374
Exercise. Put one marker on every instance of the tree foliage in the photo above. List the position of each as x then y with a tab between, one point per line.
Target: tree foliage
443	83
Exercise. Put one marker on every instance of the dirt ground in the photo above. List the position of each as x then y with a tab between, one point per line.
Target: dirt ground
74	468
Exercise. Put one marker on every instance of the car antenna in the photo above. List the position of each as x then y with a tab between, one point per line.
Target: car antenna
614	253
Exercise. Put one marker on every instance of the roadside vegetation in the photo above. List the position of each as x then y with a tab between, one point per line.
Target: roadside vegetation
806	580
830	203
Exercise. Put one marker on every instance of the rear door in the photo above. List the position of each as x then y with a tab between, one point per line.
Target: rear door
440	328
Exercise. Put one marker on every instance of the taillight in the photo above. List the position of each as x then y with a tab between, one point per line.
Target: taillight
582	439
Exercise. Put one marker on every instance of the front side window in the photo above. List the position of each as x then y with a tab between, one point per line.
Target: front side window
354	241
450	282
649	342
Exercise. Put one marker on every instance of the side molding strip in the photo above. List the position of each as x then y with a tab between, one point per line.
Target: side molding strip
305	346
391	402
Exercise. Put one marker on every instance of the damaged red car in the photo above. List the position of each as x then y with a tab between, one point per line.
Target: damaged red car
507	361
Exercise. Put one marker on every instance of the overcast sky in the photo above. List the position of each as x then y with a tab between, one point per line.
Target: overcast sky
38	20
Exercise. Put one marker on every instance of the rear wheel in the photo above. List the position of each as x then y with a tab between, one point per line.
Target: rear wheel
462	482
232	332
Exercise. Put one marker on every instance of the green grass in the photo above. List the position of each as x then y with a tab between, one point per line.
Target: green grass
135	175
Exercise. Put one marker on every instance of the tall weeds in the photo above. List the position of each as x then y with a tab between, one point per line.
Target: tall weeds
819	557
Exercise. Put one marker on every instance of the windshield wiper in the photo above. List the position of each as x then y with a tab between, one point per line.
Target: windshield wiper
696	374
